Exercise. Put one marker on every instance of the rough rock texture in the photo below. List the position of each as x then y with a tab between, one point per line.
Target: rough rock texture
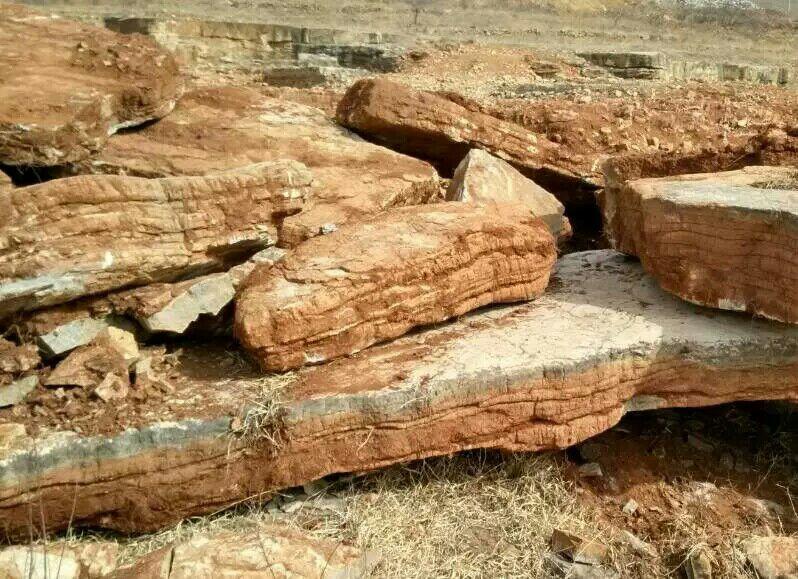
14	361
433	127
376	280
602	341
483	179
174	307
79	236
276	551
223	128
65	87
5	182
726	240
773	557
89	560
88	366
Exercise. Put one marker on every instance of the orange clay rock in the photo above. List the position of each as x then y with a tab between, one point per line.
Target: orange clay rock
603	340
376	280
430	126
223	128
724	240
66	86
85	235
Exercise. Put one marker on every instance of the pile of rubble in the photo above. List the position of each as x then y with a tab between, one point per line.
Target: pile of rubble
350	271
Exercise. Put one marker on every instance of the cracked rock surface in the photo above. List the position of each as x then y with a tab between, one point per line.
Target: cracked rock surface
65	86
604	340
86	235
376	280
724	240
222	128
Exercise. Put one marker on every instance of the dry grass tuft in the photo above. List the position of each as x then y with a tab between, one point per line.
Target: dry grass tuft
263	419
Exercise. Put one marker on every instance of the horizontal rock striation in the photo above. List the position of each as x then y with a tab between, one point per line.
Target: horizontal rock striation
224	128
432	127
85	235
604	340
376	280
65	86
725	240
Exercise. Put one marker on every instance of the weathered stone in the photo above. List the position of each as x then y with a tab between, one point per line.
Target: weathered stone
483	179
223	128
65	87
725	240
433	127
17	390
88	366
66	337
376	280
90	560
603	340
111	388
17	359
698	563
174	307
626	59
5	182
773	557
275	551
578	549
79	236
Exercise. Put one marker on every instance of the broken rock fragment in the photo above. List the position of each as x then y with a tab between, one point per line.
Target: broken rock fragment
66	86
774	557
223	128
85	235
433	127
724	240
373	281
88	366
483	179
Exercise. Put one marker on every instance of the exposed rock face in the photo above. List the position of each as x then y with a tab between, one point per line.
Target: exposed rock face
433	127
482	179
773	557
79	236
376	280
174	307
88	366
223	128
65	86
58	561
602	341
5	182
275	551
14	361
726	240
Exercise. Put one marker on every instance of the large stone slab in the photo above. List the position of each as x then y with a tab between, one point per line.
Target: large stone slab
725	240
604	340
85	235
483	179
65	87
433	127
223	128
375	280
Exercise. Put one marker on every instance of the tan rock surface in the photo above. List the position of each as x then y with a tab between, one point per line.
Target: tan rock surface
223	128
603	340
483	179
375	280
276	551
79	236
433	127
772	557
88	366
725	240
5	182
66	86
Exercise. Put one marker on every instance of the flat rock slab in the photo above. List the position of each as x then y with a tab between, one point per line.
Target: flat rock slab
376	280
430	126
223	128
724	240
604	340
65	86
483	179
86	235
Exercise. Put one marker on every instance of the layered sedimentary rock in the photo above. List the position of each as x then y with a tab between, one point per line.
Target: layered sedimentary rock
5	182
84	235
483	179
725	240
277	551
372	281
223	128
65	87
433	127
604	340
